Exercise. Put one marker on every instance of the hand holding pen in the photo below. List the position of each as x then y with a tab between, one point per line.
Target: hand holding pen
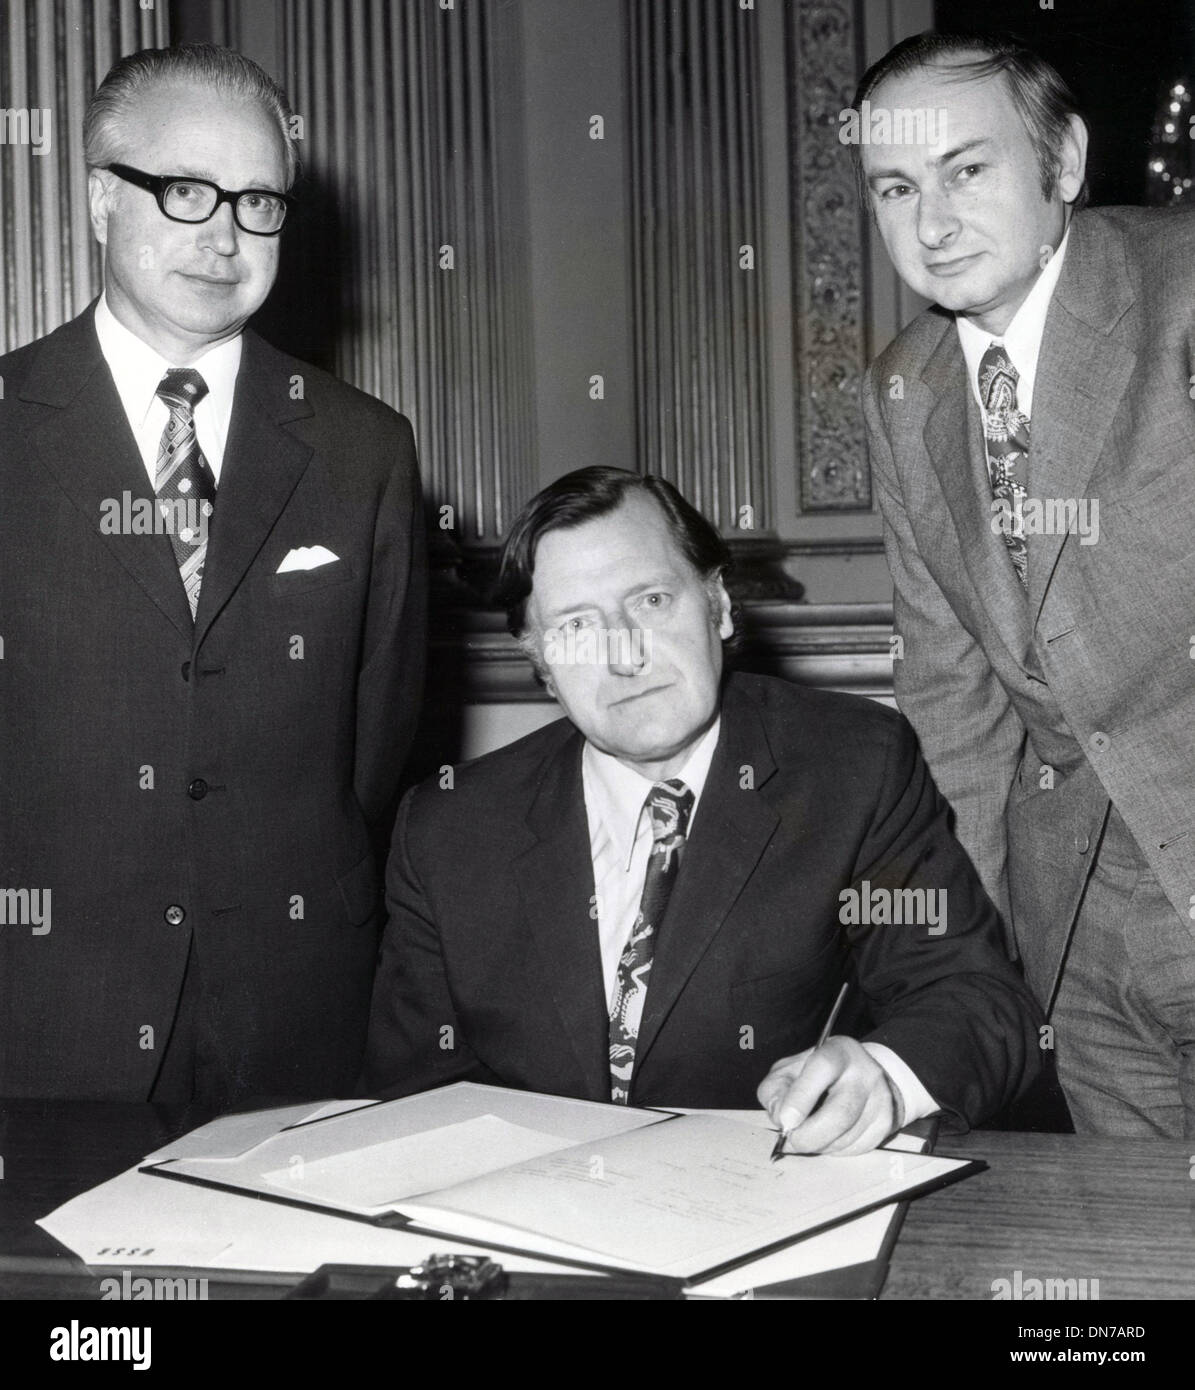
859	1108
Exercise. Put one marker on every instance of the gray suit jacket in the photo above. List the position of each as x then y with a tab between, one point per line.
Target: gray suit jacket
1033	714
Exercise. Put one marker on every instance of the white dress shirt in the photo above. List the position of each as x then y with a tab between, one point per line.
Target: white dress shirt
620	840
1022	338
137	371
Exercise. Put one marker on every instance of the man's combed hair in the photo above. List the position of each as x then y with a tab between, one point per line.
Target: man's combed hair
1040	94
200	64
581	496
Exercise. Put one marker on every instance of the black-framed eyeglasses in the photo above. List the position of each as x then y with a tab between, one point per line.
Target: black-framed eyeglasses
257	210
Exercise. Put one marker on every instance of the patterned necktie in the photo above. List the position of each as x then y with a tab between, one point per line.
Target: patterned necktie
184	482
1006	434
670	805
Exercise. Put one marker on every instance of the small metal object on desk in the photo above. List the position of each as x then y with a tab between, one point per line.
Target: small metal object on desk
442	1278
450	1276
438	1279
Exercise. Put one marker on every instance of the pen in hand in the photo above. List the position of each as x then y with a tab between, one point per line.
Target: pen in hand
782	1137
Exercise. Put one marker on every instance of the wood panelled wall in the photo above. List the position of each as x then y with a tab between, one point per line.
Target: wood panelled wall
466	128
53	54
412	142
696	227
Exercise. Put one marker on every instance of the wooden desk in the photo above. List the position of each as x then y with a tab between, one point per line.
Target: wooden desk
1055	1206
1051	1206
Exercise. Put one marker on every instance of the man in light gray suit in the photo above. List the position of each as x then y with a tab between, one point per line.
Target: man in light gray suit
1032	437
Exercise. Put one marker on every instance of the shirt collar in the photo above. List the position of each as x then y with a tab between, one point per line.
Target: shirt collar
137	369
615	795
1022	338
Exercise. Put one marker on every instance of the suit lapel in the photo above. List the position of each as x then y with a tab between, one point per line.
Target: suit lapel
731	830
86	443
555	878
263	463
1082	374
954	439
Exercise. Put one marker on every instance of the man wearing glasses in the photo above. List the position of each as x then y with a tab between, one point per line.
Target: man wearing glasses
212	593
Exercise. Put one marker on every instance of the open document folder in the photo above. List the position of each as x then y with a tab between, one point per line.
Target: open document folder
588	1185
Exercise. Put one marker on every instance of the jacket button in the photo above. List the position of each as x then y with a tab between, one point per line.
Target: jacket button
186	670
1082	841
1099	742
197	790
175	915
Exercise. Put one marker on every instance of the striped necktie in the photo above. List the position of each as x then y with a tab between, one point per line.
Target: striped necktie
183	482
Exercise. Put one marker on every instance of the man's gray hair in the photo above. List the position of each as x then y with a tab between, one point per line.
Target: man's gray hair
1040	94
201	64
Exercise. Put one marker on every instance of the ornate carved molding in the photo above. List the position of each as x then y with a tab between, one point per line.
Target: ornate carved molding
464	578
834	646
819	547
828	277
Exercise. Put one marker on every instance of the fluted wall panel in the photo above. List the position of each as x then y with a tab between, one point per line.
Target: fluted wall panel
404	128
697	231
53	54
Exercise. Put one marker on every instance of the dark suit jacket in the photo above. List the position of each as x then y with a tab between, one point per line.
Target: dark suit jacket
1033	713
491	971
235	768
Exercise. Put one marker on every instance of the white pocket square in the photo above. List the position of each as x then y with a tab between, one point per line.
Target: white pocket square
307	557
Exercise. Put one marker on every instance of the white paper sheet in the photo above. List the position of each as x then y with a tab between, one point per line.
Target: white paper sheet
302	1158
235	1134
853	1243
377	1178
139	1220
702	1192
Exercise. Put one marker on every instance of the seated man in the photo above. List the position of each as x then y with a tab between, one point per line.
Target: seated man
657	899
